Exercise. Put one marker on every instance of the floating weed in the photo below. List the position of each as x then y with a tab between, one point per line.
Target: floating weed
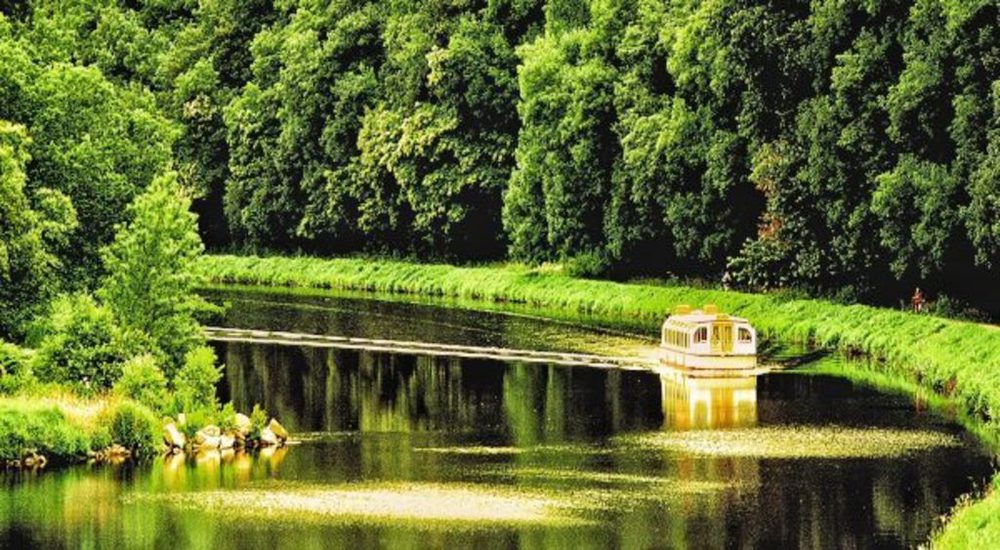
423	505
796	442
561	475
474	450
485	450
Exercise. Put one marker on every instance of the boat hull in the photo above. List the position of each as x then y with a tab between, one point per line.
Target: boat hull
694	362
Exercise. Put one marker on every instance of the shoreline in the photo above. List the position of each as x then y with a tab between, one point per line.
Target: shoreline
955	360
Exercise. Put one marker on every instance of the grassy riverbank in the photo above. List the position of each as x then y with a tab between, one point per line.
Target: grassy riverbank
65	428
953	358
956	359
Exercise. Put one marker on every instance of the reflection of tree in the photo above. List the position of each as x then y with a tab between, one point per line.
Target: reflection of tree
335	390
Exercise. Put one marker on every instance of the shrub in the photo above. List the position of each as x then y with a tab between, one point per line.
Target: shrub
42	428
143	381
134	427
15	372
197	419
12	359
226	417
81	345
588	265
194	386
258	420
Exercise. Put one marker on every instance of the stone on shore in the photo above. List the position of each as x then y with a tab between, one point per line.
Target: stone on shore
208	437
243	424
278	430
211	430
268	438
173	437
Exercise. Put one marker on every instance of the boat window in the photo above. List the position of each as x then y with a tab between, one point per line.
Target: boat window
700	335
745	335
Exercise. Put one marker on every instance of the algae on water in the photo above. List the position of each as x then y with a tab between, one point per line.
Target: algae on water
424	504
795	442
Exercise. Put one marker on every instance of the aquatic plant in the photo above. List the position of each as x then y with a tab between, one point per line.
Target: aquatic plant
794	442
425	505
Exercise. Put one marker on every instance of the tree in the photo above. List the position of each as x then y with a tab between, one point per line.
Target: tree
29	234
150	285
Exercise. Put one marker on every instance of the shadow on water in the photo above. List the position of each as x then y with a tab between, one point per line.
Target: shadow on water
402	450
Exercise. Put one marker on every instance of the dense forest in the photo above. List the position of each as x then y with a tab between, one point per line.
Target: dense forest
849	148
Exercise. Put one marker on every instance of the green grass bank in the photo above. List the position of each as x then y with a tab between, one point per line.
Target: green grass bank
956	359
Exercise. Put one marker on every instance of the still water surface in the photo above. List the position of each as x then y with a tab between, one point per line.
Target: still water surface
407	451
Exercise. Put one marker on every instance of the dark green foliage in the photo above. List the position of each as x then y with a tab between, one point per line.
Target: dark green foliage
30	235
15	369
843	147
134	427
85	133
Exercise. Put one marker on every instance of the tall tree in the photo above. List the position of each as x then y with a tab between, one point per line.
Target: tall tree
150	283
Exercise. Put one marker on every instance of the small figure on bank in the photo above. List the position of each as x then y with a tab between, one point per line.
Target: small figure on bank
918	300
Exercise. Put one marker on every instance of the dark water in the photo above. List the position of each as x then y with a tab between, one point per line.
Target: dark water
620	458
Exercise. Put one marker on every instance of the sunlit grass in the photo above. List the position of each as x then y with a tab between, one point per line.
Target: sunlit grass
795	442
421	504
973	523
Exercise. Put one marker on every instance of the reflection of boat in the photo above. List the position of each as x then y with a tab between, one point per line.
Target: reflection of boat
708	341
699	402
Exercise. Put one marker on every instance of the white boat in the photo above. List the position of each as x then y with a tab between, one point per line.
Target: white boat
707	341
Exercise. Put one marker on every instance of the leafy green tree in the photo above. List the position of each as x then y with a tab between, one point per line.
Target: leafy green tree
555	204
81	345
194	385
29	235
150	285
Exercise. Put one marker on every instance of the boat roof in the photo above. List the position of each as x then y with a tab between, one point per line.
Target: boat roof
684	316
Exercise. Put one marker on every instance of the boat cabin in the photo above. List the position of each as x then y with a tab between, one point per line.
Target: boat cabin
705	337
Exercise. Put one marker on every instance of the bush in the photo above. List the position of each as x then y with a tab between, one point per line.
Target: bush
134	427
258	420
44	429
15	372
196	419
143	381
225	419
194	386
588	265
81	345
13	360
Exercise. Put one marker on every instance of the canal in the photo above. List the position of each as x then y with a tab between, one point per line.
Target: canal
416	451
